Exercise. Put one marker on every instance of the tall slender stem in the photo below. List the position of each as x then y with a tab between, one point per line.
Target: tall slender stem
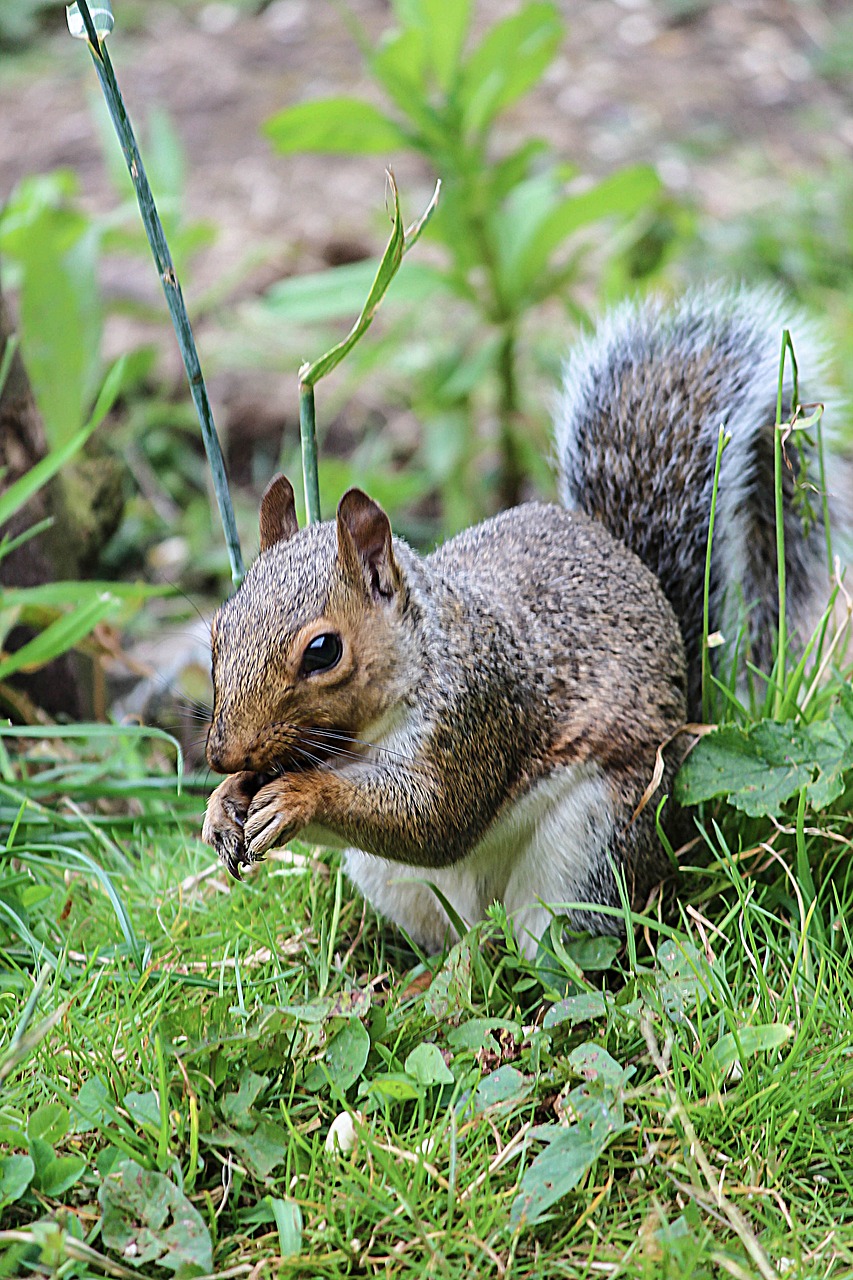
171	287
308	436
782	638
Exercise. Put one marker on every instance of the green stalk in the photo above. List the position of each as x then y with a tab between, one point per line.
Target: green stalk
401	241
308	439
169	281
782	637
723	439
824	498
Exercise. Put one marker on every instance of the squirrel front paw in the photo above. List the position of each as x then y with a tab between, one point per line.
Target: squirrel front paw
278	812
225	819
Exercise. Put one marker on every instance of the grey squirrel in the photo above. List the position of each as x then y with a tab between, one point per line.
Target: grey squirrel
486	718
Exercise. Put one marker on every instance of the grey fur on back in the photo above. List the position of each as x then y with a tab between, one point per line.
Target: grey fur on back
625	458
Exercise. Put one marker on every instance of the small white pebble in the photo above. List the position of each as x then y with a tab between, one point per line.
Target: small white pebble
341	1135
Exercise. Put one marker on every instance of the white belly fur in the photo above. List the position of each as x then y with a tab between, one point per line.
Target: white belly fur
538	852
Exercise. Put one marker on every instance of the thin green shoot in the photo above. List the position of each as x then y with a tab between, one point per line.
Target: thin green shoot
400	242
723	438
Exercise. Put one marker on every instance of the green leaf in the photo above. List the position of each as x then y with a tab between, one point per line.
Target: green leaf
443	25
593	1062
344	1059
760	768
580	1008
507	63
401	240
426	1065
555	1171
449	994
59	1175
262	1150
144	1108
146	1219
288	1220
622	195
596	1111
49	1122
16	1174
60	308
19	493
687	979
346	126
749	1041
236	1106
393	1085
504	1087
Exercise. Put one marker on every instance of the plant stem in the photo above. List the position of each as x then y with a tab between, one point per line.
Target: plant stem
511	475
722	441
171	286
308	436
782	638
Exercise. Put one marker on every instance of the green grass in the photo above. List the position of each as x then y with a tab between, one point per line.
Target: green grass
192	1040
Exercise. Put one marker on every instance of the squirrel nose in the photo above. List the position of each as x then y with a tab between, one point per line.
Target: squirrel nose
218	755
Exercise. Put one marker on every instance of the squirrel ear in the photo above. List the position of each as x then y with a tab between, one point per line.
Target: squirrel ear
364	542
278	512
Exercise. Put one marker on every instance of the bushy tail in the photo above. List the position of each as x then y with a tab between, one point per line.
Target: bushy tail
637	432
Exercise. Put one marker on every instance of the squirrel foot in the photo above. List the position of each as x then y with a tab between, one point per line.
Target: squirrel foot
279	811
225	819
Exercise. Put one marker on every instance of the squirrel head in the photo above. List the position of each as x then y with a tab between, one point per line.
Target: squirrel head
309	652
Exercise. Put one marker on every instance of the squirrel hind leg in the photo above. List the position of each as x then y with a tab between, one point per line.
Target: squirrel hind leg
582	843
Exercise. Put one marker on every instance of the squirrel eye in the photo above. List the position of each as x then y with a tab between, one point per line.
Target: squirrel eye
322	653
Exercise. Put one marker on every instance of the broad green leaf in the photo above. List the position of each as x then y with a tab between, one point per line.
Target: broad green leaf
59	1175
555	1171
449	994
581	1008
508	62
49	1122
760	768
399	66
16	1174
442	25
263	1149
340	291
593	1062
622	195
393	1085
60	307
236	1107
144	1108
344	1059
749	1041
477	1033
504	1087
147	1219
597	1114
346	126
426	1065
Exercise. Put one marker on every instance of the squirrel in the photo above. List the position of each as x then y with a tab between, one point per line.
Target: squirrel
485	719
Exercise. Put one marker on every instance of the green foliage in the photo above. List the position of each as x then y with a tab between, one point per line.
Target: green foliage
64	613
508	226
759	768
55	248
485	1119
